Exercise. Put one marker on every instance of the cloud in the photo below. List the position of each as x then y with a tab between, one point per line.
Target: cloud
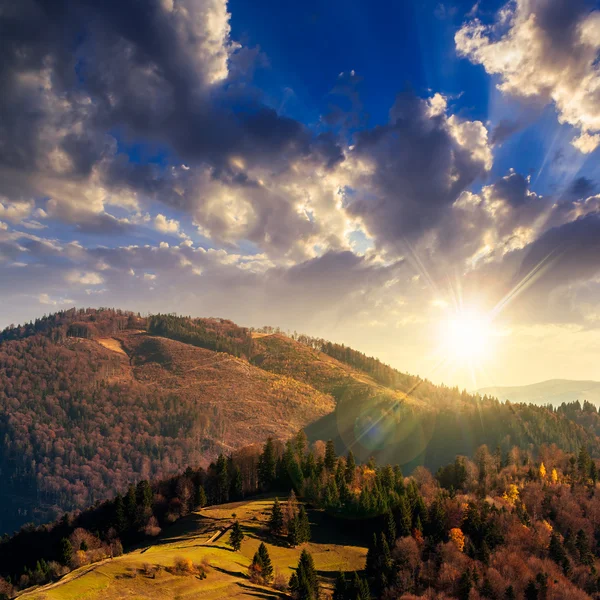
409	172
545	51
164	225
84	278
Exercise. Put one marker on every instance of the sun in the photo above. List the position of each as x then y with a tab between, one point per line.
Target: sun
466	337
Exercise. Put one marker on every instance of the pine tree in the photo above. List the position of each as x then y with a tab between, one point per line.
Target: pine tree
330	456
236	491
131	505
403	518
276	518
201	500
465	583
267	465
65	551
531	591
509	594
222	479
120	518
303	525
372	557
294	536
261	564
350	468
340	589
390	529
144	495
308	585
236	536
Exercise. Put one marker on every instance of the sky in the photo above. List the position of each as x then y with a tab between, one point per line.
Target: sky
414	179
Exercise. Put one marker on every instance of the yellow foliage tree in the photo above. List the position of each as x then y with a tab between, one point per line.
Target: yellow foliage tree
512	494
458	537
554	476
542	471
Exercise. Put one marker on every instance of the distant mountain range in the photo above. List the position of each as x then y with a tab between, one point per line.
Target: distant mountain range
553	391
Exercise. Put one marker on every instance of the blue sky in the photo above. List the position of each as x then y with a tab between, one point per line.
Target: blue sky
367	172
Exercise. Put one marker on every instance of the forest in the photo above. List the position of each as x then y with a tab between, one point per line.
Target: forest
497	526
74	431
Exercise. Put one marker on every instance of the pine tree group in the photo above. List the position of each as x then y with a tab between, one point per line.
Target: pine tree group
261	568
276	522
304	584
356	588
299	528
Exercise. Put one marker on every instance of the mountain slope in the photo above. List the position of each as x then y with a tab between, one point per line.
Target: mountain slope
93	400
554	392
83	418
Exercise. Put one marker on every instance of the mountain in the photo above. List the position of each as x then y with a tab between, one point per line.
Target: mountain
554	392
94	400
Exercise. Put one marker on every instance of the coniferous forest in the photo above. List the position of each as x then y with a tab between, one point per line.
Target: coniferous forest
491	526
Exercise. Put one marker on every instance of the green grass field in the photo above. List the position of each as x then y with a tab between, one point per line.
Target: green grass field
193	538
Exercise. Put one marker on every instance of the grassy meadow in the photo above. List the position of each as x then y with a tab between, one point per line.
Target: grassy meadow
143	574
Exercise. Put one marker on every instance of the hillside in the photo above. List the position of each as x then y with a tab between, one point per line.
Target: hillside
484	529
93	400
554	392
144	573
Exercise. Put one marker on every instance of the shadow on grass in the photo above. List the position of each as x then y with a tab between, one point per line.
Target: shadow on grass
259	593
229	572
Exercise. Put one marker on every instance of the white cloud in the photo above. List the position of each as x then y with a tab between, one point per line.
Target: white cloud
84	278
164	225
546	52
46	299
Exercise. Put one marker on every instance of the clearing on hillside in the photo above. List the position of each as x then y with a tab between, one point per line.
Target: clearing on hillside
202	537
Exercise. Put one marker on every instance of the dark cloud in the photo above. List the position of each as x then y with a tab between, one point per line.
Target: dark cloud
505	129
571	253
513	189
581	187
418	167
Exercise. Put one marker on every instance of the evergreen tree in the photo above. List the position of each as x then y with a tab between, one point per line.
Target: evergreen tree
265	562
307	587
531	591
131	505
372	557
236	488
465	583
276	518
340	590
120	518
583	548
294	536
303	525
261	564
201	500
65	551
330	456
390	529
350	468
403	518
222	480
144	495
509	594
584	462
267	465
236	536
